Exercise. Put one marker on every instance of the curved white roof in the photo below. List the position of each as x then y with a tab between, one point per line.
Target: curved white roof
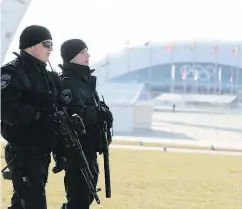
135	58
12	12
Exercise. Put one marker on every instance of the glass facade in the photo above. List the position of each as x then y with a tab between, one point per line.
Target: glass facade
188	77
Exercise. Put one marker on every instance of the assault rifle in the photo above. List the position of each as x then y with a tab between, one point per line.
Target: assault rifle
69	129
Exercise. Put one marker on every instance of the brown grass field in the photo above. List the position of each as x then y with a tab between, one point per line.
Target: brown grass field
159	180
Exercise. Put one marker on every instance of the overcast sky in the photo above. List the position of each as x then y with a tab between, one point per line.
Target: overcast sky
106	24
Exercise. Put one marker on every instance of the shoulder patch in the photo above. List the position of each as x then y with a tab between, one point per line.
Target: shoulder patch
66	95
5	80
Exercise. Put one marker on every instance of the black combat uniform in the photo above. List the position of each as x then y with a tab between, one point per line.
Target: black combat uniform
27	97
79	93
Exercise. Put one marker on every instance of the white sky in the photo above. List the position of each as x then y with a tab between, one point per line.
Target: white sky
106	24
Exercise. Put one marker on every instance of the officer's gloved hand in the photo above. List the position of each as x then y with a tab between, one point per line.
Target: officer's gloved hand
60	164
106	114
103	104
78	124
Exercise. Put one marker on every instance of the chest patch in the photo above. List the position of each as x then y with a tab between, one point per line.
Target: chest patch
66	95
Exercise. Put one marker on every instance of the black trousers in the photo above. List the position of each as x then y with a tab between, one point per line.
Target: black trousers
29	178
77	193
15	201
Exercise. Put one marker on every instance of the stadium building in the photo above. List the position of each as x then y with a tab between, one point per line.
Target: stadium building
201	67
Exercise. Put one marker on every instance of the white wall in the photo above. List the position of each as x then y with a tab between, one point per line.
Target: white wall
221	99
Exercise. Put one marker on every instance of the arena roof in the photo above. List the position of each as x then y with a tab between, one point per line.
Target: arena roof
153	54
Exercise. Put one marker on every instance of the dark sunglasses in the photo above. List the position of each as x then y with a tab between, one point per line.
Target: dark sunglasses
48	44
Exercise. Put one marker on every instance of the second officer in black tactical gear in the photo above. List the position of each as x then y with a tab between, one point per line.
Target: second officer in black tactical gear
27	96
79	93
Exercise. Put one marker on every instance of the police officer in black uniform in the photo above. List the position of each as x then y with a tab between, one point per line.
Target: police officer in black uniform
27	96
79	93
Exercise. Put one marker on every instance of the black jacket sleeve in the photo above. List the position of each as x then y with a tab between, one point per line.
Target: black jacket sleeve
75	101
14	110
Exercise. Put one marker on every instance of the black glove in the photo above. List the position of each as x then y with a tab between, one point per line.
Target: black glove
103	104
78	124
105	108
60	165
59	156
106	115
